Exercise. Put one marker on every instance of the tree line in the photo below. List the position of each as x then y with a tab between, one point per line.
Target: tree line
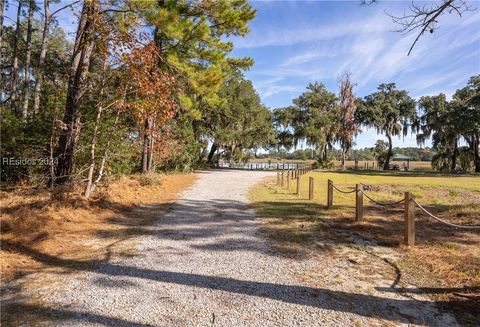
143	86
151	85
375	153
322	119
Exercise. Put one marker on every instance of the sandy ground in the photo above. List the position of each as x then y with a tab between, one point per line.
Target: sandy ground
206	263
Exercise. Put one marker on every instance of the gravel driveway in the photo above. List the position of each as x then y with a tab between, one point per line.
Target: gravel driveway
205	263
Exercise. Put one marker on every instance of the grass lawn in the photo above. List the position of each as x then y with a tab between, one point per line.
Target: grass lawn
445	263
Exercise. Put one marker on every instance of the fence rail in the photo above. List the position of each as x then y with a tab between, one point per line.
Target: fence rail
442	220
263	166
380	202
342	191
409	201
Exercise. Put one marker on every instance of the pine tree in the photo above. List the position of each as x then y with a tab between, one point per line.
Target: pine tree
189	36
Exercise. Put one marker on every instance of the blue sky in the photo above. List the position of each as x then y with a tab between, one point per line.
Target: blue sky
297	42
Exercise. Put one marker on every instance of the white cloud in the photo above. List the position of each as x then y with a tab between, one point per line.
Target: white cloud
366	47
270	90
321	50
301	33
308	56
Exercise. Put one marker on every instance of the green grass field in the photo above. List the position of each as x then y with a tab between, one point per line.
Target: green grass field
414	179
443	257
454	197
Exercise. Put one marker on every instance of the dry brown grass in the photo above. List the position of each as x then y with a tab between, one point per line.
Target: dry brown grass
78	229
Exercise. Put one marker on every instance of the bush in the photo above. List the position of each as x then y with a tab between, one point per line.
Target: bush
149	179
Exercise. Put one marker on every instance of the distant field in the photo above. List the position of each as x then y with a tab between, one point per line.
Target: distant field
283	160
444	258
416	182
414	165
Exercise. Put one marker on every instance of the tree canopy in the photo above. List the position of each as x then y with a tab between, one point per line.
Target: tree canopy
239	121
313	118
390	111
153	85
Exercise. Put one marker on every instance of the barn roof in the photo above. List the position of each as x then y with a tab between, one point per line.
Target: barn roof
399	156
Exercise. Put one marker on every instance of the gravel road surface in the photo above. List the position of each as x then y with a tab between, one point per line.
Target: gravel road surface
206	263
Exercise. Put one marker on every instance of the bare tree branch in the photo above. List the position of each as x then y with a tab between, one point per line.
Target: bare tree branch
65	7
425	17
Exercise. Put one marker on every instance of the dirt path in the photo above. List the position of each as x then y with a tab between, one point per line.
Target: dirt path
206	263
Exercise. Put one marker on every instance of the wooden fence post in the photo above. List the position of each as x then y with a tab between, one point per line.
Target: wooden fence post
278	177
288	180
409	215
298	186
282	183
358	203
330	194
310	188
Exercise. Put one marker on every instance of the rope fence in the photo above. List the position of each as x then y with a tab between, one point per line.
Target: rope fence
409	201
382	203
442	220
290	174
341	191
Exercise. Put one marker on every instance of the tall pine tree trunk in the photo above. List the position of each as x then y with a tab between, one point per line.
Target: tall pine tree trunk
43	54
28	55
51	151
151	145
103	163
476	152
77	87
2	6
147	146
386	165
93	143
213	149
454	156
14	79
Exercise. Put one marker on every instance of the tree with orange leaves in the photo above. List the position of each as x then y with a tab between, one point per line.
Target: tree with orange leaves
152	96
